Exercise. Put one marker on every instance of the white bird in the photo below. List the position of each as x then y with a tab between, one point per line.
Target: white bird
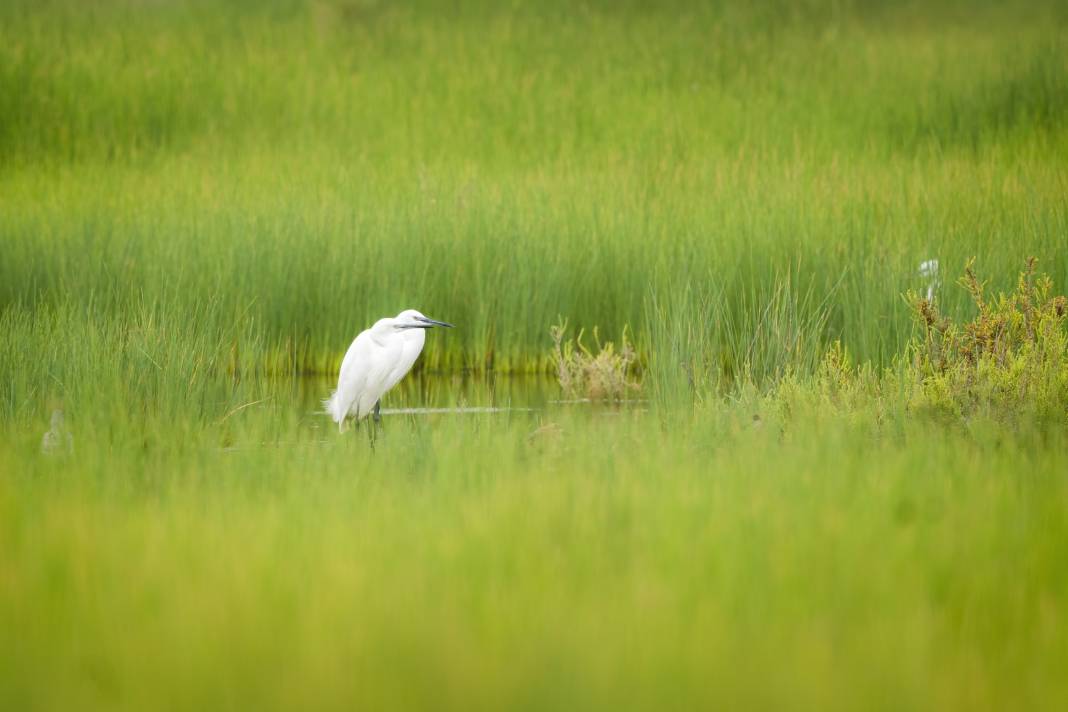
376	361
58	440
929	271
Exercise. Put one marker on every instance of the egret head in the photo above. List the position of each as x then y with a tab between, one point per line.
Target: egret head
411	319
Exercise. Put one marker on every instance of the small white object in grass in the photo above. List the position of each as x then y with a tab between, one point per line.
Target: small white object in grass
57	440
375	362
929	271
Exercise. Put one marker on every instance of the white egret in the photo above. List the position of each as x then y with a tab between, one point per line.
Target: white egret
929	271
58	440
375	362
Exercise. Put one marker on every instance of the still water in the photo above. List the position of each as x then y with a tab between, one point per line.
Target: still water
536	399
425	394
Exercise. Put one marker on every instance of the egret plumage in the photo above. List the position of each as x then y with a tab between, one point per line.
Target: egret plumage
57	440
376	361
929	271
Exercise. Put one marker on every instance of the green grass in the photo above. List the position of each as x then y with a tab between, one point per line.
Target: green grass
202	203
310	167
836	564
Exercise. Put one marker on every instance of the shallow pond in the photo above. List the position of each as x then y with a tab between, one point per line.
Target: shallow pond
444	395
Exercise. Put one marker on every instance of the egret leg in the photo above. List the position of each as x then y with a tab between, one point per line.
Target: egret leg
378	411
372	433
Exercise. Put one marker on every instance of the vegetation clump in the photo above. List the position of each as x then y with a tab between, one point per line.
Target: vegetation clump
1010	360
601	376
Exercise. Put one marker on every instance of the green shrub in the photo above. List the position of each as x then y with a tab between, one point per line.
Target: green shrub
1009	361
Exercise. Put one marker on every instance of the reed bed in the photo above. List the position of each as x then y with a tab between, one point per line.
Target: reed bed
308	167
202	203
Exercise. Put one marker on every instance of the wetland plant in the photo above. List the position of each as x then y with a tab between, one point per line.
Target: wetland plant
1011	358
601	375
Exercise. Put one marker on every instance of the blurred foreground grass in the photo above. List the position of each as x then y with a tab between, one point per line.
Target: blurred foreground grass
615	559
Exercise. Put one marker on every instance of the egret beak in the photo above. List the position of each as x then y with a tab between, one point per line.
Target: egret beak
431	323
423	323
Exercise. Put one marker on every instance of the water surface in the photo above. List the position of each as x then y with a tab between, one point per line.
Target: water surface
438	393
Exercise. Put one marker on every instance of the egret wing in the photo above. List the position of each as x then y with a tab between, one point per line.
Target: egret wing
381	358
353	377
410	351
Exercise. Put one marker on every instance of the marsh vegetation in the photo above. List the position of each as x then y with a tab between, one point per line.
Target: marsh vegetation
839	487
